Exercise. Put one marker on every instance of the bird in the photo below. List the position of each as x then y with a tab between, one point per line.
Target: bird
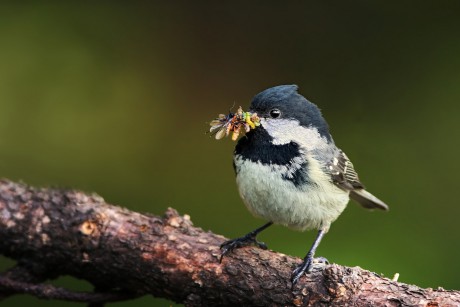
290	172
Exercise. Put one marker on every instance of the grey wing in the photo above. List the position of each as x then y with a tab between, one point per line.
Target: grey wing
345	177
343	173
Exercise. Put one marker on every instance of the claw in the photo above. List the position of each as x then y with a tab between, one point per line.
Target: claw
249	239
260	244
300	270
307	267
230	245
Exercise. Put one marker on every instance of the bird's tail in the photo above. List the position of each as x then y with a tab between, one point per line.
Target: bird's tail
367	200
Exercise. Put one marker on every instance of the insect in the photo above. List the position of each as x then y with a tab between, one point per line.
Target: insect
223	125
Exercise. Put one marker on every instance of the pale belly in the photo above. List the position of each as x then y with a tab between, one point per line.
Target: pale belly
275	199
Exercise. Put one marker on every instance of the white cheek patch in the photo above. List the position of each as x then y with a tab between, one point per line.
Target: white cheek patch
284	131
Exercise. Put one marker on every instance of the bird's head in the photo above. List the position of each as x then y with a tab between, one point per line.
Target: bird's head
284	114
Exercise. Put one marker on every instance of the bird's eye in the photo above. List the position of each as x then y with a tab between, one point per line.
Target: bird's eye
274	113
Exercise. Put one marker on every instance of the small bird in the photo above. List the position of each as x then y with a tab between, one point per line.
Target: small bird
290	172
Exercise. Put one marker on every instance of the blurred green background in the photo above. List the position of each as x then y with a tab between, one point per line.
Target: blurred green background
115	99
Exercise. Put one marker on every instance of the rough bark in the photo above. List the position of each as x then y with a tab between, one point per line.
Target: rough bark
53	232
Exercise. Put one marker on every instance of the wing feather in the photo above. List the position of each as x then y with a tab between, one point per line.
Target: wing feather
345	177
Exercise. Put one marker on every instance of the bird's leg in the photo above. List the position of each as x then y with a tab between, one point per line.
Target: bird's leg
248	239
307	261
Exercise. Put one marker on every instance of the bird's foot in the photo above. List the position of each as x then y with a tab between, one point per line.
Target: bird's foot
307	266
249	239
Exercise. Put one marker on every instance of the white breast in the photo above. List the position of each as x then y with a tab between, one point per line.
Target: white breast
267	195
275	199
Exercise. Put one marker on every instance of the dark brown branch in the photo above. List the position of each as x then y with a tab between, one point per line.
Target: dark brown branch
17	273
45	291
55	232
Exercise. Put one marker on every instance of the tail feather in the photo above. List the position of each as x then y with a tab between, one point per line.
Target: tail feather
367	200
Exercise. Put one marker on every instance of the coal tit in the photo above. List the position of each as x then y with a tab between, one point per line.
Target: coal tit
289	171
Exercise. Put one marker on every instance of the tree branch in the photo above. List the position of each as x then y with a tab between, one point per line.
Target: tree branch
52	232
45	291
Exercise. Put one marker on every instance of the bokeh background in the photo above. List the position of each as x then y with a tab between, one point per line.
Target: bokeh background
115	99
